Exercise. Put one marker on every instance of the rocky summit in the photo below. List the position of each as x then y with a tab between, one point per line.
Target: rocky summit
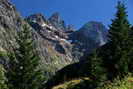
57	44
89	37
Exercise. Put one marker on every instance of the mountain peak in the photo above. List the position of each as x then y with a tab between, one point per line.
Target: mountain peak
57	22
96	31
55	17
37	18
94	25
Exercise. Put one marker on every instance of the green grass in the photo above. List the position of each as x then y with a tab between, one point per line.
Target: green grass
71	83
126	83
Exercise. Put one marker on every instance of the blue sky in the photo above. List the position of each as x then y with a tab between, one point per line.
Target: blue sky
76	12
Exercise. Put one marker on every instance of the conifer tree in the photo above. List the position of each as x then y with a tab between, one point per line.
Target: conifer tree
119	40
97	69
3	79
131	53
24	72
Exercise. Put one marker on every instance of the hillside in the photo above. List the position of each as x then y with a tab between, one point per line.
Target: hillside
52	37
39	52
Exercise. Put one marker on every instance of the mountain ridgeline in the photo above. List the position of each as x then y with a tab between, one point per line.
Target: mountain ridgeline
34	48
110	66
57	44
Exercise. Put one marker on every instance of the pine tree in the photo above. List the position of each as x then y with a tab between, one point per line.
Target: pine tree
97	68
131	47
24	72
3	79
119	40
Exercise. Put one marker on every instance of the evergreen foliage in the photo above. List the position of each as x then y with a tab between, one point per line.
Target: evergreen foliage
119	41
24	72
97	70
131	53
125	83
3	79
112	60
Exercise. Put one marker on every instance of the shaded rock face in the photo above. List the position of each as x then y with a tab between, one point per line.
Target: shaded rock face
57	44
57	22
95	31
37	18
74	45
132	28
43	35
92	35
52	44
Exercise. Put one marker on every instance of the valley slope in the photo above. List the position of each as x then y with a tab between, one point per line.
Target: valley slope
56	43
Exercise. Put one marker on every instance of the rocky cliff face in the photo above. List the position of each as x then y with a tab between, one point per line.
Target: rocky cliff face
52	44
61	45
56	43
10	22
90	36
95	31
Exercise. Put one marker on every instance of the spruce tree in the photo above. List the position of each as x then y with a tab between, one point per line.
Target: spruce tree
97	69
3	79
119	40
131	53
24	72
